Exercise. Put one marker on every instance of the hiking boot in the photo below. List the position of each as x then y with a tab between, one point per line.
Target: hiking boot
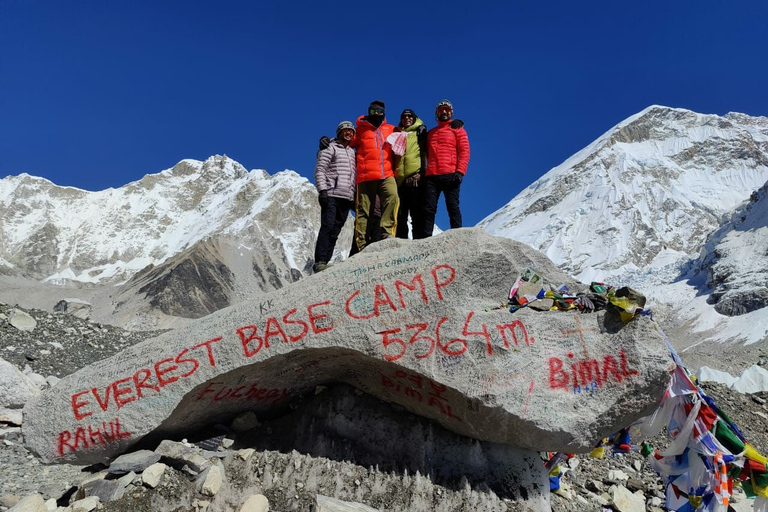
319	266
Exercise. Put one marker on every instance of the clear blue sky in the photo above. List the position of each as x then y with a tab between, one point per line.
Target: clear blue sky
98	93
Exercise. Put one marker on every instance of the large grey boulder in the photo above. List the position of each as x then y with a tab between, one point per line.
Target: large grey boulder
416	323
75	307
31	503
22	320
15	387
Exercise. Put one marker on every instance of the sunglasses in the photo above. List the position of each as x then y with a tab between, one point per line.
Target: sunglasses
442	110
376	111
406	115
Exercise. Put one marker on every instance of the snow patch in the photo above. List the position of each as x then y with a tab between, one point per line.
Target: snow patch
752	380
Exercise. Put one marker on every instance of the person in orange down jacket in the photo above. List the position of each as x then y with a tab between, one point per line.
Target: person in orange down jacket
447	160
374	174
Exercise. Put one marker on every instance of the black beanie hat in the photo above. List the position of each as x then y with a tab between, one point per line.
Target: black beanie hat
376	104
409	111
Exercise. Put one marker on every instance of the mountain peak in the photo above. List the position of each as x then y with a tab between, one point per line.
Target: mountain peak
224	167
645	194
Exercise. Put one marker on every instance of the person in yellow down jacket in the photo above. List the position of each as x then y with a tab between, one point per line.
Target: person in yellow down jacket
409	174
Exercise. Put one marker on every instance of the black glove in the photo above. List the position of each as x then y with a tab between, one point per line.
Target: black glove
457	123
598	300
325	141
413	180
457	177
590	302
323	198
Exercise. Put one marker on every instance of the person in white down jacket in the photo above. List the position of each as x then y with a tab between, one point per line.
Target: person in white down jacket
335	177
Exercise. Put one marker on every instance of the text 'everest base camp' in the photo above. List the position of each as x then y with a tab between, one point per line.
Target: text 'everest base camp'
417	324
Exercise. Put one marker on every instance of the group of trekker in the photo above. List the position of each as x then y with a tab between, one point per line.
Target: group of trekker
388	173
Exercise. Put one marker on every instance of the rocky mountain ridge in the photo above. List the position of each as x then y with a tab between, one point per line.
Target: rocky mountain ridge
734	259
61	234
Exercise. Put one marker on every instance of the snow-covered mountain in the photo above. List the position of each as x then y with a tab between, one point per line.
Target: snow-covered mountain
645	194
182	242
637	206
54	233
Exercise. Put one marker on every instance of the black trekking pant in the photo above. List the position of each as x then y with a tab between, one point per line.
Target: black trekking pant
332	218
450	188
411	202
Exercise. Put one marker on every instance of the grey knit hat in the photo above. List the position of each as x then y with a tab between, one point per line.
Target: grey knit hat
344	125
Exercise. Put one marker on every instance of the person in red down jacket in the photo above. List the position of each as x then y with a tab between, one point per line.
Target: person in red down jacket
374	174
447	160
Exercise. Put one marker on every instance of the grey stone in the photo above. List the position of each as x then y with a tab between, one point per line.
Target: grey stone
101	475
255	503
245	453
179	455
153	474
105	490
86	504
32	503
409	322
635	484
38	379
617	475
201	505
136	461
15	387
127	479
245	422
624	501
21	320
11	416
10	433
210	481
595	486
327	504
